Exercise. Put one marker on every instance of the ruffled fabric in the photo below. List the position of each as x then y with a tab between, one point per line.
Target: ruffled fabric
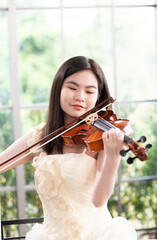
64	184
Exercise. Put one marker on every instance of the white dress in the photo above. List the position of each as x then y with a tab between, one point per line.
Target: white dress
64	184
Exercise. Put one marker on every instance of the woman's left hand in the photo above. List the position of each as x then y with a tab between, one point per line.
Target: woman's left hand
113	142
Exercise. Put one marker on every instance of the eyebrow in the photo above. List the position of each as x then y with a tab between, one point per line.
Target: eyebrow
76	84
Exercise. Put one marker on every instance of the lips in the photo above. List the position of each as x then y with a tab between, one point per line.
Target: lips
78	107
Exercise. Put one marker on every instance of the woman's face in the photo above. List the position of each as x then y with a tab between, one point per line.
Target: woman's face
79	94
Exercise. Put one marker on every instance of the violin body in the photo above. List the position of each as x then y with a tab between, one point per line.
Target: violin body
91	136
77	135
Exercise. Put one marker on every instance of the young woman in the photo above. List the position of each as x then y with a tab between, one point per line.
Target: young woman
73	183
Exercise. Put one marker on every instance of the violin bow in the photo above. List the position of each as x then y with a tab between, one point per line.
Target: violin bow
50	137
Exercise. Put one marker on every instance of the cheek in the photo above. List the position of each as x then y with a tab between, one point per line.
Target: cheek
92	101
63	96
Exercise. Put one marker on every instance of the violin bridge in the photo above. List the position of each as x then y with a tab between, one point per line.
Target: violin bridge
91	118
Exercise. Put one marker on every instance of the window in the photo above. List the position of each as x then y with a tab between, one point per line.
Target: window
37	37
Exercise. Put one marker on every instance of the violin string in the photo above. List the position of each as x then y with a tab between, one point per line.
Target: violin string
108	126
104	124
101	123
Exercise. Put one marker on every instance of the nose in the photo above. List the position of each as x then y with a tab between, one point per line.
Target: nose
79	96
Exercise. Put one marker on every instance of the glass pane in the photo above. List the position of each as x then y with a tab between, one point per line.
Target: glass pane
29	173
6	133
39	53
32	118
37	3
136	61
8	178
139	203
134	2
33	205
3	3
86	2
6	136
90	36
143	118
147	234
113	203
9	212
4	63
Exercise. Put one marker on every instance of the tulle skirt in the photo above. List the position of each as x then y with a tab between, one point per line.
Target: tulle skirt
117	229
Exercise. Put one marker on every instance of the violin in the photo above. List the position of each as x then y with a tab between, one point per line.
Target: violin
87	129
90	134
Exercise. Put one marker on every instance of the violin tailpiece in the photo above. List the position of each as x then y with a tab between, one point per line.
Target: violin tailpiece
91	118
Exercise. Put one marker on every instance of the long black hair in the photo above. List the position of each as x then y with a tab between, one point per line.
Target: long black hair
55	117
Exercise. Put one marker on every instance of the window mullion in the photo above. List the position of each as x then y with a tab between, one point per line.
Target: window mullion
15	87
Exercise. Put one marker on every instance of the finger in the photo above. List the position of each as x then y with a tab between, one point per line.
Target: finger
105	136
120	136
114	134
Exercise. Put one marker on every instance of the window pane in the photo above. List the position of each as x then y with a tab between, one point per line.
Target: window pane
147	234
136	61
86	2
90	36
33	205
4	63
113	203
32	118
37	3
9	212
143	118
8	178
136	197
6	136
6	133
39	53
3	3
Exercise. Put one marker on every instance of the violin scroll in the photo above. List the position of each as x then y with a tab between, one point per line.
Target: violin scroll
139	152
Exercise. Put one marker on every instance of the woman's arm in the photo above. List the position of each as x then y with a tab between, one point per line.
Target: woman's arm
18	146
107	166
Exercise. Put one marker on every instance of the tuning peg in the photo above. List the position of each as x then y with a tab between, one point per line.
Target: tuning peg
124	152
130	160
142	139
148	146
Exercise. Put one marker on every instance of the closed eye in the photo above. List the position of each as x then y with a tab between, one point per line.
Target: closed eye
90	92
72	88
